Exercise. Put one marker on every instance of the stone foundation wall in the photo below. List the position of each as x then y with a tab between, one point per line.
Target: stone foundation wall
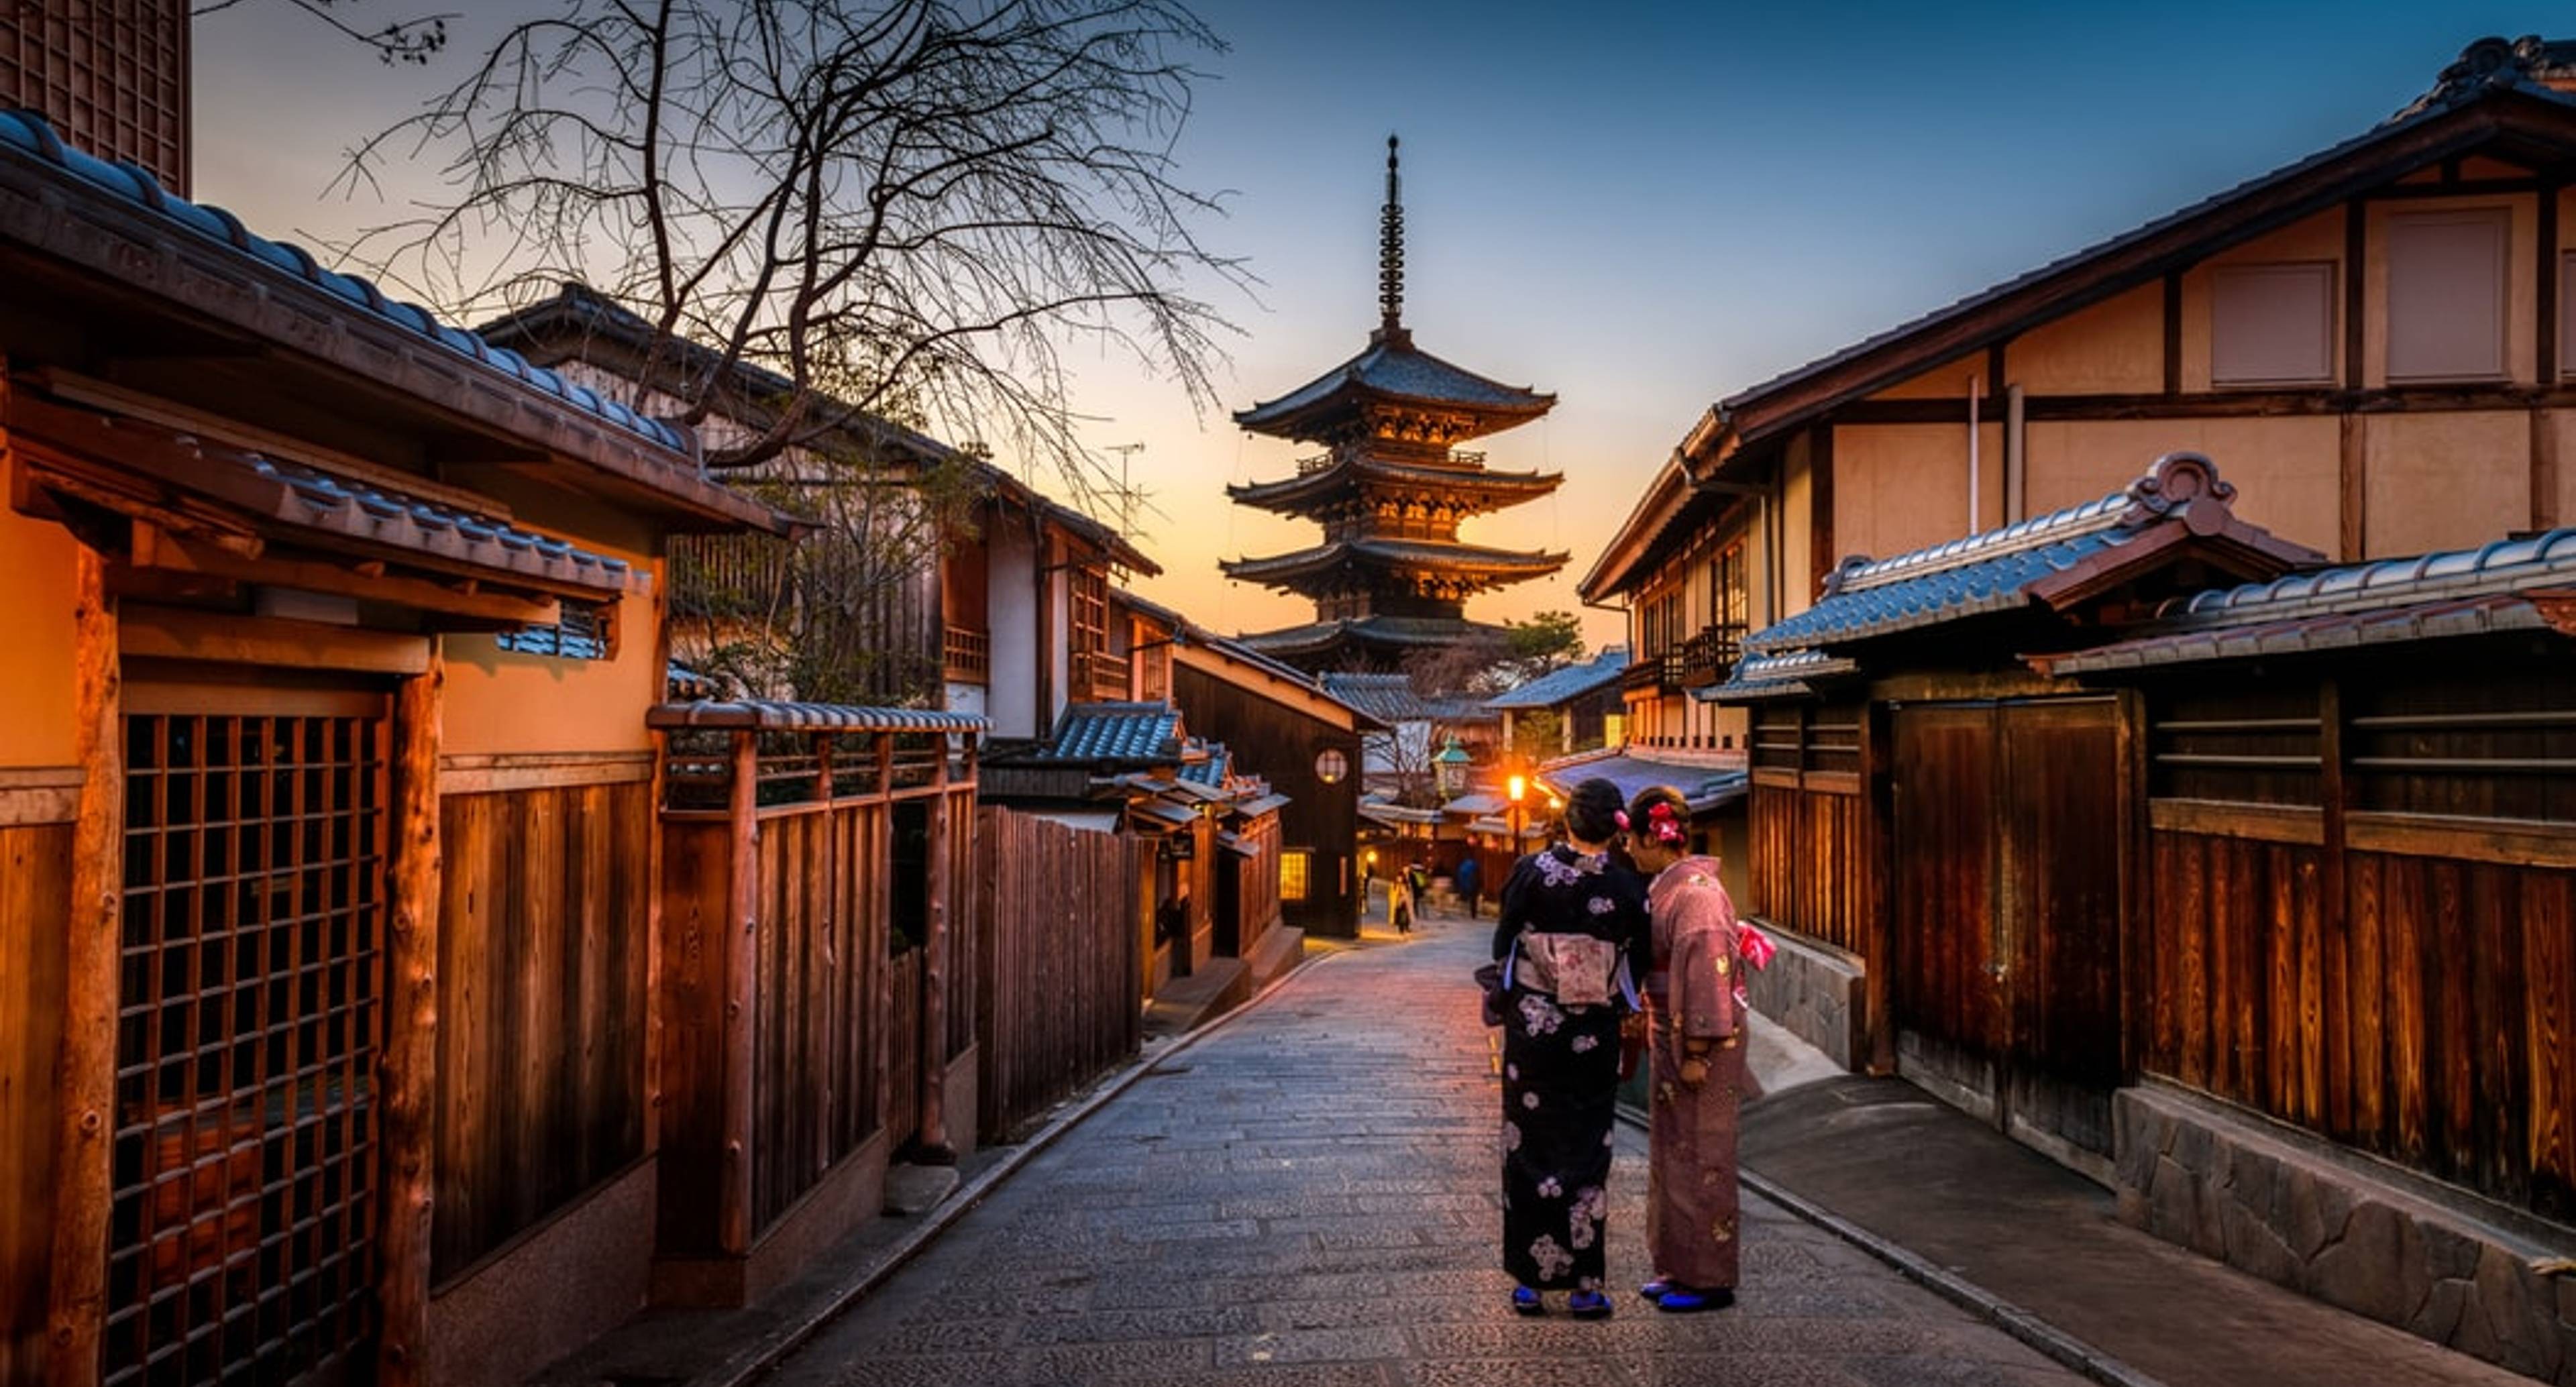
2435	1262
1814	992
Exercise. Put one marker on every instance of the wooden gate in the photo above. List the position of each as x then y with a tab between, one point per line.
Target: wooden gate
2009	824
241	1240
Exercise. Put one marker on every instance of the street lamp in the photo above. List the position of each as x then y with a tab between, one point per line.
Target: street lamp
1517	785
1449	768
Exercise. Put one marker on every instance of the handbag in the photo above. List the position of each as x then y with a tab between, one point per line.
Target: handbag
1489	979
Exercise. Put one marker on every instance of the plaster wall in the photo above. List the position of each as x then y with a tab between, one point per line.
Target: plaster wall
2286	470
36	558
2114	347
2445	481
1899	487
1947	381
1011	700
1798	535
2318	238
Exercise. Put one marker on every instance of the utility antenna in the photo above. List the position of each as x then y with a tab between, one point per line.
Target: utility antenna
1127	493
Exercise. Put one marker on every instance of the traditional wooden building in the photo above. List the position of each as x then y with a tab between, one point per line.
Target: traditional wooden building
1583	700
110	76
1391	576
328	850
2376	338
978	591
2204	889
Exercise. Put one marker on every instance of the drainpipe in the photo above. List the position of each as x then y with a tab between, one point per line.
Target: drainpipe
1975	385
2016	459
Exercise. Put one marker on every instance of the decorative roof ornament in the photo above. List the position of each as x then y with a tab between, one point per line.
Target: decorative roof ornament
1390	252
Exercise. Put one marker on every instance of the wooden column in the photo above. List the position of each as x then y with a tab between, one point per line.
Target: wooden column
879	936
407	1066
82	1192
933	1139
741	973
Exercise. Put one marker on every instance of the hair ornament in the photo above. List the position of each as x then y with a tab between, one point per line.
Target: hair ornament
1622	817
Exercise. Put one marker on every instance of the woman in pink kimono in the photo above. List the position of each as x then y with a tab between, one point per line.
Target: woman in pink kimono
1695	1009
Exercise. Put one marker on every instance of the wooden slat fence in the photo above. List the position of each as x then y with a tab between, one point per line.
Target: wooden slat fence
2361	919
1807	833
541	937
1057	959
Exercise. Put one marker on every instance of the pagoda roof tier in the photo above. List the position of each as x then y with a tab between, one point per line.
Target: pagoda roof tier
1475	489
1389	635
1393	372
1491	566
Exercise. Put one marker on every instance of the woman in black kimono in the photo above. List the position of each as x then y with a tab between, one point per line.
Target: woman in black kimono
1574	938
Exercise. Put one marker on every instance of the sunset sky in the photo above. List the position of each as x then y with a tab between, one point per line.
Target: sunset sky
1641	208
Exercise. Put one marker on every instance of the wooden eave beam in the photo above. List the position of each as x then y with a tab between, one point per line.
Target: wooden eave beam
465	600
2557	606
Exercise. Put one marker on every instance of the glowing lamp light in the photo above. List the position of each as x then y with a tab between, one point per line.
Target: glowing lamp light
1519	786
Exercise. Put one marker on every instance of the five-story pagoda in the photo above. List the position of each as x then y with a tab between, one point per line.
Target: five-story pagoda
1391	575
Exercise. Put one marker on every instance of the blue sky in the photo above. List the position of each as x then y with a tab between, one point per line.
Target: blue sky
1639	207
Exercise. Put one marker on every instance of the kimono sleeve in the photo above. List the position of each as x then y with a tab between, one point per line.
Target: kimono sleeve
1703	966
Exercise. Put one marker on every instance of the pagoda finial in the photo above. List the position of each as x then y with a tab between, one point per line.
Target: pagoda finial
1390	250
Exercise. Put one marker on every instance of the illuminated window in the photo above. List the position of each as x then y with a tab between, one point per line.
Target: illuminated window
1293	866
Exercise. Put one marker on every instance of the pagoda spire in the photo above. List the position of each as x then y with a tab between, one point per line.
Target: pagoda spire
1390	252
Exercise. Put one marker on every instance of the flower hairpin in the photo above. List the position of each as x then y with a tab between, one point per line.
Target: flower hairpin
1664	825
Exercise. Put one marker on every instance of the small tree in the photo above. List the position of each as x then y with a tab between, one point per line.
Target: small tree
904	200
1538	734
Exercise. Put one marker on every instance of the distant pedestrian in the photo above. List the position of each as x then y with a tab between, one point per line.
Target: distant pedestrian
1417	884
1572	940
1695	1013
1470	881
1399	902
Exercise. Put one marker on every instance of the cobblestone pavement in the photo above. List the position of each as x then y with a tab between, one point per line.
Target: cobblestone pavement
1310	1197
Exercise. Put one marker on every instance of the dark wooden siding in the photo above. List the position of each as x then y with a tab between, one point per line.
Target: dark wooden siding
1945	828
1810	864
1056	960
35	903
2371	932
541	1043
1280	743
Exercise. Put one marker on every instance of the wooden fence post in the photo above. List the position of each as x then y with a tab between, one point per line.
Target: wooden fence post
932	1141
83	1196
741	977
407	1065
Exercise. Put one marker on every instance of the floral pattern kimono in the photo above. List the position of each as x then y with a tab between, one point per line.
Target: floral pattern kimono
1561	1058
1695	995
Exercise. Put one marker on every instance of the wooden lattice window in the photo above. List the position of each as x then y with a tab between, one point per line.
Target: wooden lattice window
241	1242
1090	612
111	75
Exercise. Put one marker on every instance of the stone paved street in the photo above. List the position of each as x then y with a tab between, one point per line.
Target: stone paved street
1309	1197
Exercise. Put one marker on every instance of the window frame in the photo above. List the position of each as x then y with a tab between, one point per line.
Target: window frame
2327	272
2497	219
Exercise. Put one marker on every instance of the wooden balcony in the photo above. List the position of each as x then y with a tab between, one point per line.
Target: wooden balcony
1704	659
967	656
1099	676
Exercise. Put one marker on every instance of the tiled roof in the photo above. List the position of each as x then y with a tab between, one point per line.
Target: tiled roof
2437	105
1703	787
1325	485
2456	592
1393	815
2002	570
1259	805
1567	684
364	511
1116	732
1393	366
1406	553
1476	804
1211	770
767	716
27	133
1404	632
1391	698
1776	676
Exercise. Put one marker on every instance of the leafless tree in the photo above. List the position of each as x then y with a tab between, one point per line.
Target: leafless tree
415	40
928	202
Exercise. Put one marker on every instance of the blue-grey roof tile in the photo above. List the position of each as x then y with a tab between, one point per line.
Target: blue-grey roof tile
1116	732
28	132
1567	684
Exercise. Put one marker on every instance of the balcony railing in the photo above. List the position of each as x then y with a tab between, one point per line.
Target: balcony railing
967	655
1100	676
1706	657
1647	672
